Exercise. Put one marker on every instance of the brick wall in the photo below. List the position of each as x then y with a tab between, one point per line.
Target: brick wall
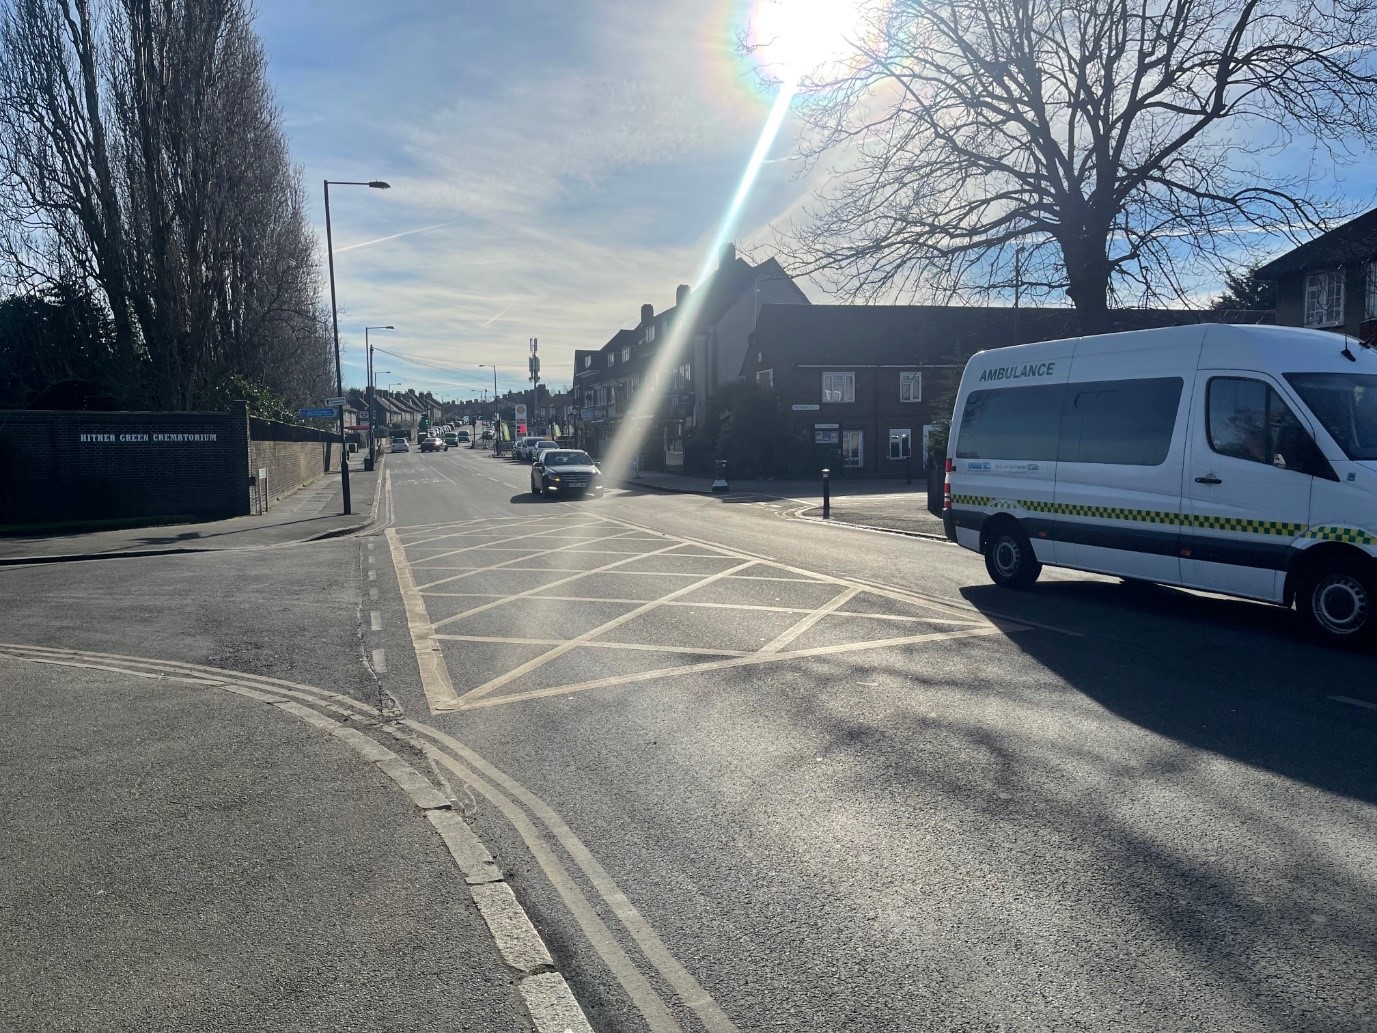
61	466
293	456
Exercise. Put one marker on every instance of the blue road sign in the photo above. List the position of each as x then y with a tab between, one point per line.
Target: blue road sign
318	414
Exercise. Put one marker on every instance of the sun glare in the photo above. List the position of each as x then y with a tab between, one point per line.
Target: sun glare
791	39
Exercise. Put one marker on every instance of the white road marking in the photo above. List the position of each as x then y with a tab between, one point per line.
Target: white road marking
380	661
435	679
802	626
372	575
751	660
553	584
630	646
558	651
497	566
375	620
1354	702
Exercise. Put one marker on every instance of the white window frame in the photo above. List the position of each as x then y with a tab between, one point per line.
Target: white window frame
909	379
1324	298
1370	310
850	462
896	436
611	358
847	387
626	353
650	333
587	361
765	378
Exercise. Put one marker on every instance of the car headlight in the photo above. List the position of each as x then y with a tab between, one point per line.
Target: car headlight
554	477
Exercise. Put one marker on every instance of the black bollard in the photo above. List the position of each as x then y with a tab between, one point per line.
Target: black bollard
826	494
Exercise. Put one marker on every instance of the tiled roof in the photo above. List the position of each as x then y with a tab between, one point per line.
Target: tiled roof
934	334
1354	241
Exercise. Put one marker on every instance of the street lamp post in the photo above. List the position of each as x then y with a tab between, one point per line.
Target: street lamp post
372	407
376	184
496	431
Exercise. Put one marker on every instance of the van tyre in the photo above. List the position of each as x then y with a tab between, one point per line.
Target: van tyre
1337	602
1009	558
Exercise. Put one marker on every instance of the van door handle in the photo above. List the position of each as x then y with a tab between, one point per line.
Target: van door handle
1208	480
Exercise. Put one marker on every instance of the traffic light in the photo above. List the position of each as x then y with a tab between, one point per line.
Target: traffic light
425	421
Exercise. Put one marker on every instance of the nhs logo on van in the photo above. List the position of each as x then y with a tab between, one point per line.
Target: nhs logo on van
979	466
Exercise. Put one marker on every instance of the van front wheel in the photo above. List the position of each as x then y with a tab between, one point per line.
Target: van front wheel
1337	603
1009	558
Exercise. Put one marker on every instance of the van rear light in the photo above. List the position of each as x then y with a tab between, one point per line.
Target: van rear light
946	488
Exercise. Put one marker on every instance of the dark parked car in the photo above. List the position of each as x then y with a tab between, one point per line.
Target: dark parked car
433	445
566	471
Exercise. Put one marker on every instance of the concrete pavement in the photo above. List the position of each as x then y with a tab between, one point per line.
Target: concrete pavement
311	513
179	857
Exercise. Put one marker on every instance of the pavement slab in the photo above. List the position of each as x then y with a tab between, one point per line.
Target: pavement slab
179	857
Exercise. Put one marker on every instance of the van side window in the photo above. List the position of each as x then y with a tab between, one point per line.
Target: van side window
1249	420
1123	422
1020	423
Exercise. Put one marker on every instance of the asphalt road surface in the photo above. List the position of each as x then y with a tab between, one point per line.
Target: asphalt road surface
748	772
754	773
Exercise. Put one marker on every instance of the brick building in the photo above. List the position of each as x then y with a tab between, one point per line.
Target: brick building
723	313
868	382
1330	283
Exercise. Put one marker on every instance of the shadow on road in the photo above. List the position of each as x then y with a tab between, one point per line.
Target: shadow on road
1224	675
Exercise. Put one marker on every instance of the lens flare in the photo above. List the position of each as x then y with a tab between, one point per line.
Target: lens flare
790	40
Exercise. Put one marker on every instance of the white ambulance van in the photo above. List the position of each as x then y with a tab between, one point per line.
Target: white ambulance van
1234	459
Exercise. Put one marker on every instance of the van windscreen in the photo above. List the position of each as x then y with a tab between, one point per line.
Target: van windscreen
1346	404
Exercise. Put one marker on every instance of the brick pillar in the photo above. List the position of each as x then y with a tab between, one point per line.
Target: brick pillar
239	456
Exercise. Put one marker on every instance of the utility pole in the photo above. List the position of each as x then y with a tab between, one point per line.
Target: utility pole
535	386
1018	290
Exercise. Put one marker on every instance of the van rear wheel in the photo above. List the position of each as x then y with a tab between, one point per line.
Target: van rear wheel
1009	558
1338	605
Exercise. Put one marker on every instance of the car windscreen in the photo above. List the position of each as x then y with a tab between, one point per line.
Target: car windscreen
1346	404
568	459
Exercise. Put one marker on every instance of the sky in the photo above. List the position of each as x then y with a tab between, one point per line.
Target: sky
553	166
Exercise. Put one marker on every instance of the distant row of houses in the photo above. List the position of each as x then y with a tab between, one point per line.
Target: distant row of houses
395	409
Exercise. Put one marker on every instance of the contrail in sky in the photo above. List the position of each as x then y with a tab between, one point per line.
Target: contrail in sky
394	236
495	318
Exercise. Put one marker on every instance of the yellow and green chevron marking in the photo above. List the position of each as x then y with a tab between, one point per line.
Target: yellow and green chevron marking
1275	528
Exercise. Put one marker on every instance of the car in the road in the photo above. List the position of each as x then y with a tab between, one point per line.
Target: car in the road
543	445
452	439
461	436
433	445
566	471
400	445
521	446
1240	460
485	436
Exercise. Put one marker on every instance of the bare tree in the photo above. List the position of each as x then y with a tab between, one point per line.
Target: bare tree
1118	145
148	154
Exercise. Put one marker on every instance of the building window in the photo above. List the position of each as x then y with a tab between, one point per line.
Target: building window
910	387
611	358
626	354
839	387
1371	308
650	333
765	378
587	361
900	444
853	449
1324	298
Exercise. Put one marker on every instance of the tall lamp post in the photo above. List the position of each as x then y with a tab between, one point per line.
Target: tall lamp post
372	409
376	184
496	431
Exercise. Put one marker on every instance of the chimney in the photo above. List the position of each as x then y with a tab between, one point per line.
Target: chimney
728	254
647	313
681	294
